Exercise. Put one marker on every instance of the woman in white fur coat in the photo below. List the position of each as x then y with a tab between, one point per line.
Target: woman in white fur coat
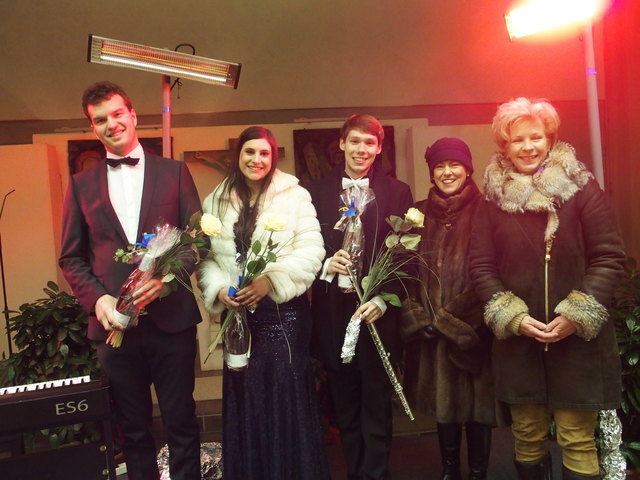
271	428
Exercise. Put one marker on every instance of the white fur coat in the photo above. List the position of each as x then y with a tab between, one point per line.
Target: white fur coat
301	248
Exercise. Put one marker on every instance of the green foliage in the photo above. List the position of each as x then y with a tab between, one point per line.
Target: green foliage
51	336
626	314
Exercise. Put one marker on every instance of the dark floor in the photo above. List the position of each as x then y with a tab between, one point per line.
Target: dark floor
416	457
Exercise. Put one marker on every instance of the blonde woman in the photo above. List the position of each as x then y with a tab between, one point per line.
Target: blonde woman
545	259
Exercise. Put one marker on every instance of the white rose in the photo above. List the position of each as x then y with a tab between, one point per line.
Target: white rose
211	225
415	217
274	223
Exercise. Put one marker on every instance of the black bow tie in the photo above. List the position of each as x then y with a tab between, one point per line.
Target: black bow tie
114	162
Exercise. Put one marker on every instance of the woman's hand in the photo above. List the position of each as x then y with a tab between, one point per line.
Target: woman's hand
226	300
339	263
369	311
254	292
562	327
531	327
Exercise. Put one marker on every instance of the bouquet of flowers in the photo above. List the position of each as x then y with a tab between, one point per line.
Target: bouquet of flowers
234	328
387	266
162	253
355	199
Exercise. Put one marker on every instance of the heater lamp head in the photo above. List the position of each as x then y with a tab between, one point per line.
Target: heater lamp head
167	62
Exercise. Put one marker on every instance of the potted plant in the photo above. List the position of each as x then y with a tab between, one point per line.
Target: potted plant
51	336
626	314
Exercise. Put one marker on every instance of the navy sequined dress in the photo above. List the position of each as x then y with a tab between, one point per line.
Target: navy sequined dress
271	425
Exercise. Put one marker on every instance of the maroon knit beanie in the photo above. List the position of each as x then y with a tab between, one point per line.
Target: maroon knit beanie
448	148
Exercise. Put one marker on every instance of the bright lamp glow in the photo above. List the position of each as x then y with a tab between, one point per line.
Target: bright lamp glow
177	64
541	15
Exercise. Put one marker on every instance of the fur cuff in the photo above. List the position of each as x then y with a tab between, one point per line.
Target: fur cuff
585	312
413	318
461	334
501	310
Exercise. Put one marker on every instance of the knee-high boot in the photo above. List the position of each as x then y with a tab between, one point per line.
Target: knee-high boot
539	470
479	448
571	475
449	438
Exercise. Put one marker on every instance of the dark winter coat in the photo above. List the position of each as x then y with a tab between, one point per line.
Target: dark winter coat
562	207
449	375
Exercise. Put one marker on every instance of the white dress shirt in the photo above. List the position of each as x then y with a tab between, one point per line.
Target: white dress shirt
125	191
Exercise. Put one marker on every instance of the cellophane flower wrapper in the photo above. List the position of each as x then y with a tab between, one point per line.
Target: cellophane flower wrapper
351	339
210	461
612	462
354	201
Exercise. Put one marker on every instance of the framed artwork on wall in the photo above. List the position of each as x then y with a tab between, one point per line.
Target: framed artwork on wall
317	151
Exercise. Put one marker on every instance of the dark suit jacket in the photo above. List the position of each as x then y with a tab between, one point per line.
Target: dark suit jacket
393	197
91	233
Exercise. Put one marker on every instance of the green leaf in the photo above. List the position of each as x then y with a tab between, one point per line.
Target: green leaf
392	240
168	278
410	241
395	222
255	267
54	440
52	347
256	247
391	298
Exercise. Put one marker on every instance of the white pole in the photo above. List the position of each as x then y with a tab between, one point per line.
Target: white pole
592	103
166	116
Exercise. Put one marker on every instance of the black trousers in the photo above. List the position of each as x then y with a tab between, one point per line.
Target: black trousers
148	356
362	400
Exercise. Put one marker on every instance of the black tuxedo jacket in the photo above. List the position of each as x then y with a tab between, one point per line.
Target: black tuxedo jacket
330	317
91	233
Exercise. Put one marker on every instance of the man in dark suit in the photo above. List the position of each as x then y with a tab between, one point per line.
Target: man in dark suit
106	208
361	390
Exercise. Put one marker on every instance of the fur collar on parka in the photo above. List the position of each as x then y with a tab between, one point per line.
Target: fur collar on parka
558	179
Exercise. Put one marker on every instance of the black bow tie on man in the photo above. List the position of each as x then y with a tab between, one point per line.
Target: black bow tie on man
115	162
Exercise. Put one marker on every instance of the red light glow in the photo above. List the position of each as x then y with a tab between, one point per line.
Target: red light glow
540	15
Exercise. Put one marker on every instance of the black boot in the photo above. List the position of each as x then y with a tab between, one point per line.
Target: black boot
571	475
540	470
479	448
449	437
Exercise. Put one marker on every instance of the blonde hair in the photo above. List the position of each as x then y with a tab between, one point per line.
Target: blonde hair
524	108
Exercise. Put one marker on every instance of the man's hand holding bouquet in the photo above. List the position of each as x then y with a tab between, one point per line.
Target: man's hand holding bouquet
162	257
388	265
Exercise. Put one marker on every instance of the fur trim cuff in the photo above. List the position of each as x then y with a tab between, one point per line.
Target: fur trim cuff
585	312
501	310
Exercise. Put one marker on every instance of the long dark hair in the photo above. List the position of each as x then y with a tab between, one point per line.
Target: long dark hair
237	182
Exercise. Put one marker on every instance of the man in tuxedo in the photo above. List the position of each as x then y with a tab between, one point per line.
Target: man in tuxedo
361	390
106	208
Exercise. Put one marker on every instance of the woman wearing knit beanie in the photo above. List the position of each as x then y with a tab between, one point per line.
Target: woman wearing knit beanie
447	366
